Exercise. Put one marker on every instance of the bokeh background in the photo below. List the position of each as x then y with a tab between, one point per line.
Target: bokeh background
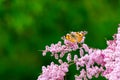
27	26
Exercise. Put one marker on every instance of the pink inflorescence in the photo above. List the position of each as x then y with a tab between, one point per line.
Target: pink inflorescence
88	62
55	49
112	58
91	62
54	72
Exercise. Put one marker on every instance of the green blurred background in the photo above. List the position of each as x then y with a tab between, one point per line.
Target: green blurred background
27	26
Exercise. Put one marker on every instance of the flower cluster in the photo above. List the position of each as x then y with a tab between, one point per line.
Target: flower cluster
54	72
94	62
112	58
55	49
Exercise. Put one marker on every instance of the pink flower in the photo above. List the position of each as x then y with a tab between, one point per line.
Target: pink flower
55	49
54	72
112	58
88	61
69	57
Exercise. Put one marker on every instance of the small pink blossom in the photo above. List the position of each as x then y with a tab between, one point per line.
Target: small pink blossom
86	48
69	57
81	52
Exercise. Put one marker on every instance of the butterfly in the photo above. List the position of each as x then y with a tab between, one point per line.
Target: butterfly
75	37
